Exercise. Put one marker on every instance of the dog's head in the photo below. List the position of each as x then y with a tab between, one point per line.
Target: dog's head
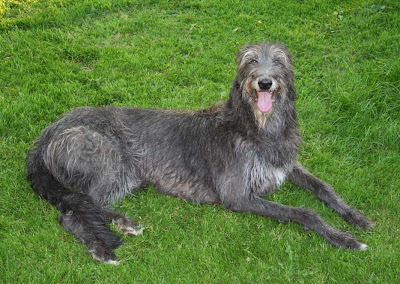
265	75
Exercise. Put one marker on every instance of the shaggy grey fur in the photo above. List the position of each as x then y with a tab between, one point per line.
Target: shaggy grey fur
231	154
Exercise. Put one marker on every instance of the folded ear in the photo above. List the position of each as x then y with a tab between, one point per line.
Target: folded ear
285	58
291	92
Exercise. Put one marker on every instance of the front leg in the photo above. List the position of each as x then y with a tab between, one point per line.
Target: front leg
305	217
301	177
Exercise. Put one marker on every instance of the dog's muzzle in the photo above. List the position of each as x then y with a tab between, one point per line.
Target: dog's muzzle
264	95
265	84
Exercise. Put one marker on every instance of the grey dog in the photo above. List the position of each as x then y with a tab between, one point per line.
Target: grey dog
232	154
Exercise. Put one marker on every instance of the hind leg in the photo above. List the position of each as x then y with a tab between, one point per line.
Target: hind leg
92	165
93	231
124	224
104	193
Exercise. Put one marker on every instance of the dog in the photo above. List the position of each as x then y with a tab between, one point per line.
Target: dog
232	154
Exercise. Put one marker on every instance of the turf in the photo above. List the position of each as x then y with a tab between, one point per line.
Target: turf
59	54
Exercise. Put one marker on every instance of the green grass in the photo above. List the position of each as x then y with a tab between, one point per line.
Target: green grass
59	54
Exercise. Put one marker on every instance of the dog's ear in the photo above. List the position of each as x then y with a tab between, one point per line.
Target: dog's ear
291	91
291	86
285	57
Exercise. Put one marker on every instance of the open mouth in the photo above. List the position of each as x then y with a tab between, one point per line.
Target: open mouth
264	100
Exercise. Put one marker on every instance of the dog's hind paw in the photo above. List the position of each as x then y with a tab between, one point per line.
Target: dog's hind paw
132	231
112	262
363	246
103	254
128	227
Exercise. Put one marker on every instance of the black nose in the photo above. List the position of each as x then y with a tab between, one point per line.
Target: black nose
265	84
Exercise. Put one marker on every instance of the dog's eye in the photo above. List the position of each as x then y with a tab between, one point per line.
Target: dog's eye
252	61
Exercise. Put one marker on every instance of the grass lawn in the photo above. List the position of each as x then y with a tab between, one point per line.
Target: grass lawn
59	54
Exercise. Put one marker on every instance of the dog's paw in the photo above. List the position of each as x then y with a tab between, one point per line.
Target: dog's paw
347	241
358	219
132	231
369	225
103	254
363	246
128	227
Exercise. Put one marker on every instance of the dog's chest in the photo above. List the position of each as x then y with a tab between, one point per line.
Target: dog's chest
264	177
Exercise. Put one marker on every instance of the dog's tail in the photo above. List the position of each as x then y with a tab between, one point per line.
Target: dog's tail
80	214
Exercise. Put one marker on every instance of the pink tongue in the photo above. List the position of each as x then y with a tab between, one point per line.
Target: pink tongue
264	101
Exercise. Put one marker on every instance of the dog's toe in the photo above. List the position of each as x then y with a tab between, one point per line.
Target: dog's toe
363	223
358	219
128	227
112	262
132	231
103	254
346	240
363	246
369	226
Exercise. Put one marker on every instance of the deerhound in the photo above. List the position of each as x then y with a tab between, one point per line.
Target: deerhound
232	154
